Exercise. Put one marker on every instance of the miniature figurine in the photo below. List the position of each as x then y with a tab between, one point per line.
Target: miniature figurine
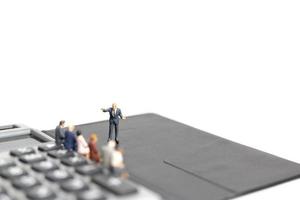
108	150
117	165
60	133
94	154
82	146
114	115
70	142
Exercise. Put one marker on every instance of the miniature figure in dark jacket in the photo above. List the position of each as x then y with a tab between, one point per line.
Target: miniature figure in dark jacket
60	133
114	115
70	142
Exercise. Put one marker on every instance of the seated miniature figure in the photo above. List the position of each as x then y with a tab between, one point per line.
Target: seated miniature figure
82	146
94	154
70	142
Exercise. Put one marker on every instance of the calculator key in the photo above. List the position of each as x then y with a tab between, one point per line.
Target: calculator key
4	163
22	151
44	166
32	158
2	190
74	185
12	172
40	193
25	182
89	169
48	147
74	161
91	194
58	175
115	185
5	196
61	153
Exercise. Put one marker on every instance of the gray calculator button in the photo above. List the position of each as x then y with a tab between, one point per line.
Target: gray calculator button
32	158
74	185
58	175
25	182
91	194
40	193
4	163
22	151
74	161
91	169
12	172
48	147
115	185
61	153
2	190
4	196
44	166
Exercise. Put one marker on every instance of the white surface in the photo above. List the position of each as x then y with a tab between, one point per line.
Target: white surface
227	67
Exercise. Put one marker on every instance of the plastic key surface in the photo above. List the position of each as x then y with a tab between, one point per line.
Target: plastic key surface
74	185
90	169
2	190
48	147
22	151
61	153
74	161
58	175
12	172
44	166
5	163
4	196
115	185
25	182
40	193
32	158
91	194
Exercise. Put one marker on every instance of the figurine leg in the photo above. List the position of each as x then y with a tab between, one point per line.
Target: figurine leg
116	133
110	131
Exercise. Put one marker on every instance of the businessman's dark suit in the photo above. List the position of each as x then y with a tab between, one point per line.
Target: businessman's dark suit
114	117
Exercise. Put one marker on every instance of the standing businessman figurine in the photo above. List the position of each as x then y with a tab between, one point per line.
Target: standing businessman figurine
60	133
114	115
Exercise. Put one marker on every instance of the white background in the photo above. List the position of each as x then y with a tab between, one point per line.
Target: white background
227	67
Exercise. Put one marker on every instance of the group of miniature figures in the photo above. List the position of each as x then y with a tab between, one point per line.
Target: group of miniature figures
110	155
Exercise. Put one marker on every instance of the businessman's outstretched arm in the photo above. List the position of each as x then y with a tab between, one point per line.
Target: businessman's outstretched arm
105	110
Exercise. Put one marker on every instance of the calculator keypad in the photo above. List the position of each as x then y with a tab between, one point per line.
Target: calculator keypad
50	172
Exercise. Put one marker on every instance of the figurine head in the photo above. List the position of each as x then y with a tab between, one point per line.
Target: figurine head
93	137
78	132
62	123
114	106
71	128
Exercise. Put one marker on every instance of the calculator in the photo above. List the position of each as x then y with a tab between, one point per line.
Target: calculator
32	167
